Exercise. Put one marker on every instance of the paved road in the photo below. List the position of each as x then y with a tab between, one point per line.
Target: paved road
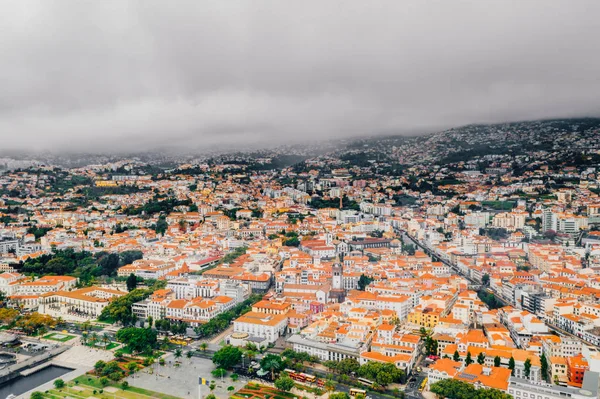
412	388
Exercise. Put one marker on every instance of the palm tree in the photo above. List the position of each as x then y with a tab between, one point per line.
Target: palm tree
106	339
94	339
251	355
189	355
203	346
84	338
271	364
151	362
329	385
178	353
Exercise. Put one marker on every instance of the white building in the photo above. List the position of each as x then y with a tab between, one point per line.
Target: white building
267	326
9	282
325	351
46	284
520	389
79	305
198	310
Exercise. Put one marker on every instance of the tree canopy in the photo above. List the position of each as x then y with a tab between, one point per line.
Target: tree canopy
120	308
223	320
82	264
227	357
272	363
284	383
138	340
131	282
363	282
381	373
455	389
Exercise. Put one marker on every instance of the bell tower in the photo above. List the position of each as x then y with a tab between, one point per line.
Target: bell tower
337	270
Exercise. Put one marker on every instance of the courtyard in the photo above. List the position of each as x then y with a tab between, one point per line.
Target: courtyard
182	380
60	337
86	386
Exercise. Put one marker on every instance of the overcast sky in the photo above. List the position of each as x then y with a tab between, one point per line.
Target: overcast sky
119	75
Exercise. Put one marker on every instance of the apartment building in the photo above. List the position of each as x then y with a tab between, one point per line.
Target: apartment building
324	350
521	389
9	282
46	284
147	269
197	311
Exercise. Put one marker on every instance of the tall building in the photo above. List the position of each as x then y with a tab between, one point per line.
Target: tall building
337	293
336	282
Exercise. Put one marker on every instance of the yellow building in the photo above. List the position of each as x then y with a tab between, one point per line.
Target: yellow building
427	317
105	183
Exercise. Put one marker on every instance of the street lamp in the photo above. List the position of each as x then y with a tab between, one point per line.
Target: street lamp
243	356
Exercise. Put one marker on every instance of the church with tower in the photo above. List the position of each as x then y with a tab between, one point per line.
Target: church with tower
337	293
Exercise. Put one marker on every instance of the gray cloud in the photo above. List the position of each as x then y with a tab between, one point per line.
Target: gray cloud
122	75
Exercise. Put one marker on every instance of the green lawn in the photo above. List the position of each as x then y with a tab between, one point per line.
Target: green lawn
90	383
499	205
59	337
110	346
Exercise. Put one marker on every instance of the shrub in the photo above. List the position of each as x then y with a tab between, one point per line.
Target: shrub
104	381
116	376
58	384
124	385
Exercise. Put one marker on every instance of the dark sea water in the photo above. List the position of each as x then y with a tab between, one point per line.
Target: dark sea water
24	384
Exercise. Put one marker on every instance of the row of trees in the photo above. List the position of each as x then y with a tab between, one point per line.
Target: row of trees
119	310
229	258
223	320
176	327
497	362
94	338
489	299
455	389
